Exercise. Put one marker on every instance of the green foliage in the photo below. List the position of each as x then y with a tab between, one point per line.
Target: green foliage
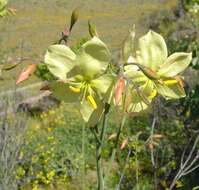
52	155
43	73
188	4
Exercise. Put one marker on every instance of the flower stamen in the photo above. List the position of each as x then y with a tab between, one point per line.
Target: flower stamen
170	82
153	94
74	89
92	102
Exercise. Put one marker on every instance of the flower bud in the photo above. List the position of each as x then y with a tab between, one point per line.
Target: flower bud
120	85
74	18
92	29
124	143
148	72
25	74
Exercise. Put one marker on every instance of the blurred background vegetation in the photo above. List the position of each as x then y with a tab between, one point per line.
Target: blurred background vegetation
40	144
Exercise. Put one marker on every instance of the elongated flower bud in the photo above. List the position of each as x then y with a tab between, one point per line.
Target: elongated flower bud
148	72
92	29
74	18
119	90
124	143
92	102
26	73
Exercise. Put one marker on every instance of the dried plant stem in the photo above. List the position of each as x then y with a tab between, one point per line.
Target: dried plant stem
187	166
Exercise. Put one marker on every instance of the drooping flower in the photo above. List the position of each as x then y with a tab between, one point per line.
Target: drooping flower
151	71
82	78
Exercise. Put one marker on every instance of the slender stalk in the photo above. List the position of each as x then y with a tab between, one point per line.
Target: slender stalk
100	178
99	146
83	156
137	169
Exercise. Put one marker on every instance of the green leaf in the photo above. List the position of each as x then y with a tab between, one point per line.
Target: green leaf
62	92
196	188
175	64
129	45
152	50
10	66
94	58
171	91
59	60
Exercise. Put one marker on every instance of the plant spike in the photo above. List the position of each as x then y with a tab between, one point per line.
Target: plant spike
74	18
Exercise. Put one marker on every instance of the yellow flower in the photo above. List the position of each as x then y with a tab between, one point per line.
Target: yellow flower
51	174
34	159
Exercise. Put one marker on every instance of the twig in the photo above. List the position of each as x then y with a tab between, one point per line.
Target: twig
186	166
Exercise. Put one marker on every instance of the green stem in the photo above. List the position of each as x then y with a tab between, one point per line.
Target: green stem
114	150
99	146
100	177
83	156
137	167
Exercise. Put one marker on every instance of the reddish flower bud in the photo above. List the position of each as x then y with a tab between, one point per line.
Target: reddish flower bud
124	143
119	90
26	73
